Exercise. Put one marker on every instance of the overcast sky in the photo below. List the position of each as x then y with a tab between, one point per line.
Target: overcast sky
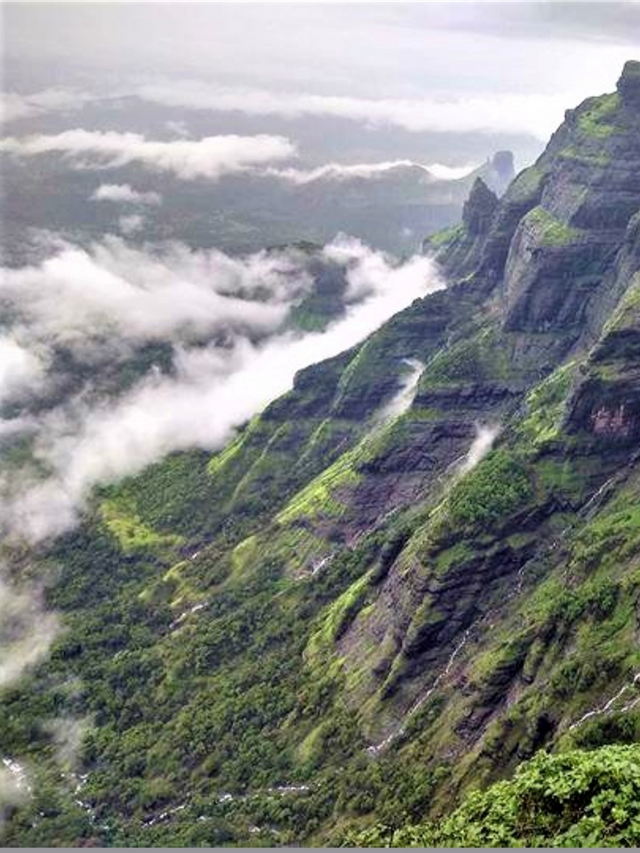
448	82
373	51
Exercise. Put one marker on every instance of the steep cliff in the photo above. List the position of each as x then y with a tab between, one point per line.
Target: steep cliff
405	577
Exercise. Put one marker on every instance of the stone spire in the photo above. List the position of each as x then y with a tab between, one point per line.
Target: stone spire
629	84
478	208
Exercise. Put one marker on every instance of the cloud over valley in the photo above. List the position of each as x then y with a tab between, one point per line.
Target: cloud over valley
221	350
209	157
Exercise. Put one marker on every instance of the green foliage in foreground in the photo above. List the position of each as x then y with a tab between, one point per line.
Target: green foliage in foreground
576	799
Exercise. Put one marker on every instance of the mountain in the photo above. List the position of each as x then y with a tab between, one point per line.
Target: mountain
390	206
413	576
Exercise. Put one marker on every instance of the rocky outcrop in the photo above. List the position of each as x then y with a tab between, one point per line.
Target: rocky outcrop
629	84
497	173
478	210
504	170
549	262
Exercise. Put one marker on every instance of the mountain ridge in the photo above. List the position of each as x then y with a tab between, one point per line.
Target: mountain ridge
362	616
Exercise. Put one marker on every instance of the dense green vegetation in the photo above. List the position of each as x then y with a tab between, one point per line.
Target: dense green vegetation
215	706
497	489
575	799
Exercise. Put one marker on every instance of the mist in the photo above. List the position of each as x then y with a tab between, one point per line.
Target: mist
533	114
102	299
124	194
342	172
27	631
486	435
210	157
13	789
176	297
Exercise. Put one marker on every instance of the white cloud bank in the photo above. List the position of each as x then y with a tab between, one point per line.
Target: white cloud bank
209	157
213	388
343	172
442	172
21	370
124	194
534	114
112	295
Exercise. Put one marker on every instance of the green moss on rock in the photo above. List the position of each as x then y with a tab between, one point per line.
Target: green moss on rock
549	230
480	357
596	119
545	406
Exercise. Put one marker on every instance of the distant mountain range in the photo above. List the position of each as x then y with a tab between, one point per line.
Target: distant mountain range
389	206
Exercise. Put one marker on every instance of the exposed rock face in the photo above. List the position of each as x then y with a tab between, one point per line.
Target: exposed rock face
551	272
504	169
551	258
606	401
546	255
539	331
479	208
629	84
565	246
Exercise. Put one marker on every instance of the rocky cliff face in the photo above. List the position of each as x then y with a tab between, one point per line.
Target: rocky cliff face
551	259
546	287
420	564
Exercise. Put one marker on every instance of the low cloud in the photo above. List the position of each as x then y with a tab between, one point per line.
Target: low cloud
442	172
179	128
209	157
21	369
14	106
212	389
110	296
68	734
344	172
26	632
131	224
533	114
124	194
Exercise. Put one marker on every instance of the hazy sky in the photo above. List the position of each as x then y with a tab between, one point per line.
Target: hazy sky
431	82
452	47
360	50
